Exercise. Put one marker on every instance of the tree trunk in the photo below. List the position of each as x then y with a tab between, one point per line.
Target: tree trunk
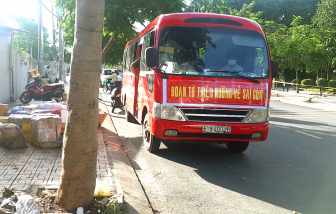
297	81
78	177
328	74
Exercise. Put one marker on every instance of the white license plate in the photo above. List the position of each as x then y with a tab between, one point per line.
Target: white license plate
216	129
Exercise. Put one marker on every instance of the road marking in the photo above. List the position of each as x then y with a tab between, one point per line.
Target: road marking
309	135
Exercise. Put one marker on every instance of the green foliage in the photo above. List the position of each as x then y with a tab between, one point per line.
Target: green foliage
332	83
308	82
325	23
322	82
27	43
7	193
209	6
294	81
119	19
111	207
280	11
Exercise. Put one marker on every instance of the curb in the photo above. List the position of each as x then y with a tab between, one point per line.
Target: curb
119	196
127	181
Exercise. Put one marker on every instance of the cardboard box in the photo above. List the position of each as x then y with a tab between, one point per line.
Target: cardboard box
32	73
46	131
4	119
65	97
4	109
26	128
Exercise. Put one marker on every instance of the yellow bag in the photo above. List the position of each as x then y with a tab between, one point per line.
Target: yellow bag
101	189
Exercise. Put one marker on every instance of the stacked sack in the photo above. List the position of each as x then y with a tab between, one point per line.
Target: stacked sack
41	126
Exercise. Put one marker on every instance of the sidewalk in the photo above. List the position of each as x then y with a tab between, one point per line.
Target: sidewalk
32	168
325	102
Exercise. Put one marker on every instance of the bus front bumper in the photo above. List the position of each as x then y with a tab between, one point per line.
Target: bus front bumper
191	130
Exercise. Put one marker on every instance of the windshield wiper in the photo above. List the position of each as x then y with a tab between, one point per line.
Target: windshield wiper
236	73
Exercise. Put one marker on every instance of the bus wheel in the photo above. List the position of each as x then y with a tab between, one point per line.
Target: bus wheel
128	115
237	146
151	142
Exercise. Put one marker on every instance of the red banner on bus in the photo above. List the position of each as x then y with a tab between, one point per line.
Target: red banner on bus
216	92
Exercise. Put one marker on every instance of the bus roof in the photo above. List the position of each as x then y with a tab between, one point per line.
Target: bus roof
199	19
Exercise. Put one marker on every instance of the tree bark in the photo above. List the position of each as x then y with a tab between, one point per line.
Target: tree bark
297	81
78	177
107	47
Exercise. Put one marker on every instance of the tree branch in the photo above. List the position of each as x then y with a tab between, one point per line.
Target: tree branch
107	47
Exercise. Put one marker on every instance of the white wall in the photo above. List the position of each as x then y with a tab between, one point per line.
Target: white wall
4	69
21	68
33	64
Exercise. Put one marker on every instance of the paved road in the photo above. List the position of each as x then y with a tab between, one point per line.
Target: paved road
293	170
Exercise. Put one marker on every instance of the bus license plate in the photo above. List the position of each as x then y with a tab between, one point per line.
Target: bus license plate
217	129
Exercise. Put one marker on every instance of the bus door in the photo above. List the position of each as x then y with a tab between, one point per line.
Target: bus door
139	56
135	67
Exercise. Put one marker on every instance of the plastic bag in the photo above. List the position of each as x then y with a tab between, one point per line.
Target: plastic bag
8	205
15	109
26	204
47	106
26	112
45	111
102	189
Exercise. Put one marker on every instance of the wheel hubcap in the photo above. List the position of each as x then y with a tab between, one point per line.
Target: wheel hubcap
26	97
146	132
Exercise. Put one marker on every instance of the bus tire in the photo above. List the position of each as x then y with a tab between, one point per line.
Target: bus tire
151	142
128	115
237	146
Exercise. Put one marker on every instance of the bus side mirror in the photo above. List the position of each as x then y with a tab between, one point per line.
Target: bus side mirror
274	68
152	57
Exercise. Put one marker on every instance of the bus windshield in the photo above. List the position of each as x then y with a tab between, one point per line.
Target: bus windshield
214	52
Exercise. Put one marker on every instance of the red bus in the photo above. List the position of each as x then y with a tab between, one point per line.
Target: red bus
191	77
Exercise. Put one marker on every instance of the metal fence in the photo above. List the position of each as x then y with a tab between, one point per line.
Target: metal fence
286	85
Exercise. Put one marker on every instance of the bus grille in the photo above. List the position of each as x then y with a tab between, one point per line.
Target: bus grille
215	115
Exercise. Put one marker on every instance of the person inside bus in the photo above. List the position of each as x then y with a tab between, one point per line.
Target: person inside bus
232	65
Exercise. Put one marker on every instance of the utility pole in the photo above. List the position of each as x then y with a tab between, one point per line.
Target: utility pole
53	51
40	41
61	53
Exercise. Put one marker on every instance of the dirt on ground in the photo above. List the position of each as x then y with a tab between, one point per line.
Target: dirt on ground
45	199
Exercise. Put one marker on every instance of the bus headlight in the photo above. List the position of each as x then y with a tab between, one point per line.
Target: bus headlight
167	112
258	116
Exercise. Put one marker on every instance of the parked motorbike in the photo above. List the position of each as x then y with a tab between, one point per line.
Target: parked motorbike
37	91
116	96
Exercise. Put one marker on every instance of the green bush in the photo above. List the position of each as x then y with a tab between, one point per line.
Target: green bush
322	82
294	81
332	83
308	82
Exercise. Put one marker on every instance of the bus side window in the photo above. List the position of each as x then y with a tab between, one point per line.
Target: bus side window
125	59
152	36
143	65
128	59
